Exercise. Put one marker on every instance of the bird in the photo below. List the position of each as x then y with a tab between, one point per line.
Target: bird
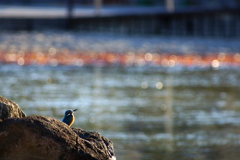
69	117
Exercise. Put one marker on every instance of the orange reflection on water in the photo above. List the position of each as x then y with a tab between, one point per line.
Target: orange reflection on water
66	57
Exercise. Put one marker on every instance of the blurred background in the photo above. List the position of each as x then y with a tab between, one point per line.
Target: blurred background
160	78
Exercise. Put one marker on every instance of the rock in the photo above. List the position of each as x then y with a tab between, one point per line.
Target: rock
101	142
9	109
40	137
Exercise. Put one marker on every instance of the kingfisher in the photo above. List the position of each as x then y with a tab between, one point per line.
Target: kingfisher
69	117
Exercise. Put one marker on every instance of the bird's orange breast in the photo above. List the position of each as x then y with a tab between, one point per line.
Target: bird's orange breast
72	120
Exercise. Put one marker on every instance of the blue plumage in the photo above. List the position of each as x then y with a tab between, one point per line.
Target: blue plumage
69	117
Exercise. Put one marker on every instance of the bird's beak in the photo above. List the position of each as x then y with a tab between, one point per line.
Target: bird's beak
75	110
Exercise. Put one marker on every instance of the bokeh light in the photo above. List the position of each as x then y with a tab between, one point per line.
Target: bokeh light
21	61
144	85
159	85
215	63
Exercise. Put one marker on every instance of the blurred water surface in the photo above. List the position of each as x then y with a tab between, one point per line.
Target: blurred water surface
148	112
108	42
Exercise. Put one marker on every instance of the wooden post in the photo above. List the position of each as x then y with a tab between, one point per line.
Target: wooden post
170	5
70	5
97	6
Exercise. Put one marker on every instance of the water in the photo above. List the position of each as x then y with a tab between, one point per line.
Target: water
148	112
99	42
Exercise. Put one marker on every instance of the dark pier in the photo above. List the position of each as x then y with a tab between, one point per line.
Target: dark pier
165	18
